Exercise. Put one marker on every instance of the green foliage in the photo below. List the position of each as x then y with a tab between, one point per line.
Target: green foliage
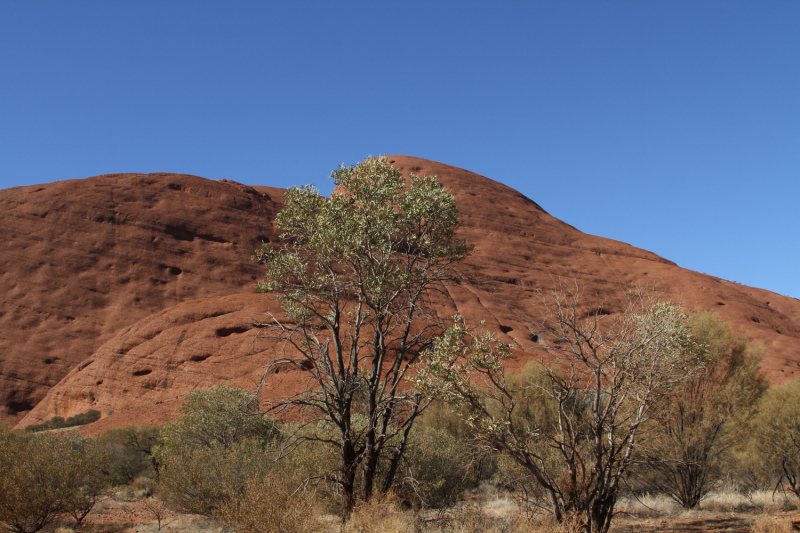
574	424
46	475
58	422
130	453
220	416
209	454
354	278
701	419
371	228
772	451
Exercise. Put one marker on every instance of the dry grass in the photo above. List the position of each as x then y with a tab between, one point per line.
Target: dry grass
771	524
758	501
382	514
660	506
648	505
270	505
485	512
386	515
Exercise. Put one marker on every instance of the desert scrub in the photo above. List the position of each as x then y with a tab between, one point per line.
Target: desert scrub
269	504
58	422
210	453
46	475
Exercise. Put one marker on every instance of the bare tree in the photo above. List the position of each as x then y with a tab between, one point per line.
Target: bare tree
575	423
158	510
354	281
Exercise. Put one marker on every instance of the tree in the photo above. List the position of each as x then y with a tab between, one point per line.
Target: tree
130	452
86	479
46	475
34	484
574	424
699	419
354	279
774	445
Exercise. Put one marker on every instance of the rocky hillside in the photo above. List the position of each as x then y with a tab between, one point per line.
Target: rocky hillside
122	292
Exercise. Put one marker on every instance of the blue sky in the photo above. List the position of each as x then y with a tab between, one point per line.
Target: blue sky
673	126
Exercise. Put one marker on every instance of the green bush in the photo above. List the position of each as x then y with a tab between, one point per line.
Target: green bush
771	453
58	422
47	475
130	453
219	416
208	455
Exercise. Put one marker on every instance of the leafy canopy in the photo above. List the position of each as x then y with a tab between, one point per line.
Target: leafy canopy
374	235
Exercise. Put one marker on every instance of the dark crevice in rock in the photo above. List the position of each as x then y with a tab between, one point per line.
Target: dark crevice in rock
225	332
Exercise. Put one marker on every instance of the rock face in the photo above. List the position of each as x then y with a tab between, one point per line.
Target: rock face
519	249
119	310
82	259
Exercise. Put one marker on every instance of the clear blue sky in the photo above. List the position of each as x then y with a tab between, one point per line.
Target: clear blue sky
673	126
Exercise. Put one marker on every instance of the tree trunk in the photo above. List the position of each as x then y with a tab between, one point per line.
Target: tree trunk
395	461
370	465
346	478
600	514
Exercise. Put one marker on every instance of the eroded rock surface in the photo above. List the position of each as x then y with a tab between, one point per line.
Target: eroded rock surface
158	338
81	259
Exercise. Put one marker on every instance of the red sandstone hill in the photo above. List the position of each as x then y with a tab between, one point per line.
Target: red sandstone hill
82	259
133	289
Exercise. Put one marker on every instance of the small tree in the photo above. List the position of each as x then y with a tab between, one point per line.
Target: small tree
86	479
699	419
354	280
574	425
34	480
774	444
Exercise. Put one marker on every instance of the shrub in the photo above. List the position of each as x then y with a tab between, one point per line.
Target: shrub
772	452
47	475
701	419
209	455
200	480
130	453
218	416
86	480
439	464
58	422
268	505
